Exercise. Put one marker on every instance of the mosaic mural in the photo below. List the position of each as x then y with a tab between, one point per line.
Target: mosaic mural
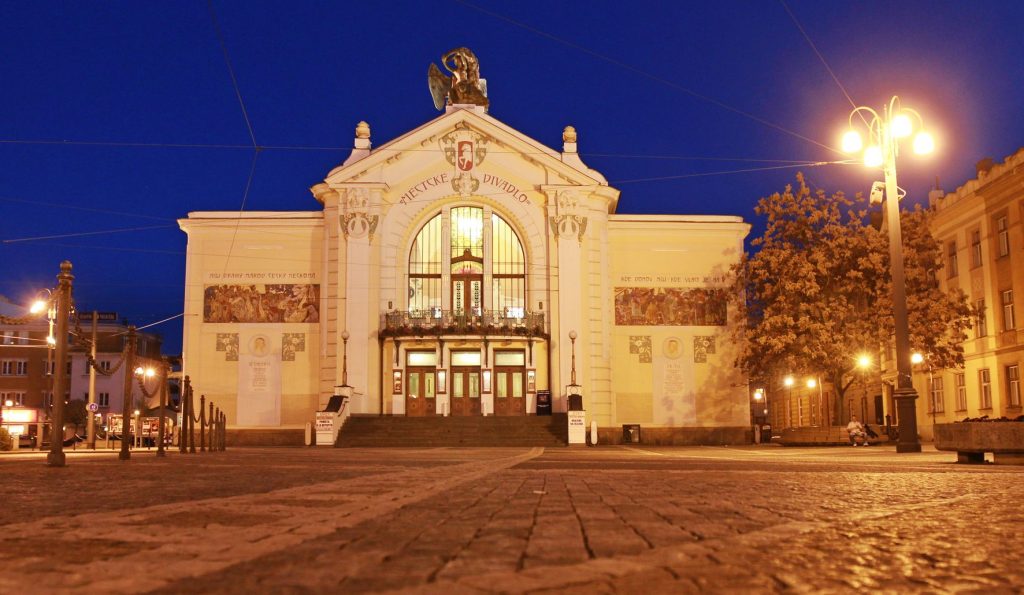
262	303
640	345
292	343
702	347
670	306
228	343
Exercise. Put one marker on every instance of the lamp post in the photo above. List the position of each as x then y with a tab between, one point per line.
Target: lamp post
55	458
129	368
864	364
49	304
788	382
884	133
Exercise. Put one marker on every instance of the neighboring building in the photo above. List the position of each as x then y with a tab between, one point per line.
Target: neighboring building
455	262
979	226
26	368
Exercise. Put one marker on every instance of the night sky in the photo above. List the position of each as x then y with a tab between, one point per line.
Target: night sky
655	90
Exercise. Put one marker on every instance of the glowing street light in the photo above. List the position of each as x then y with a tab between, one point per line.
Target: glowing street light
863	361
916	358
788	381
884	132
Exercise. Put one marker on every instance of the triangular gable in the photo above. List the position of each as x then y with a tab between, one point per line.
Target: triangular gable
482	123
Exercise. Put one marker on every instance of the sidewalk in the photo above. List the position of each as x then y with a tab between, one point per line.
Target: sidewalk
611	519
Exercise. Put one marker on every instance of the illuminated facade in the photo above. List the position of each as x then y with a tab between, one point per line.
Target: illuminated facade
443	275
980	229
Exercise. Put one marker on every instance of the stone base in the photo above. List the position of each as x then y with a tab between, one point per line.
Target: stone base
971	440
681	436
268	437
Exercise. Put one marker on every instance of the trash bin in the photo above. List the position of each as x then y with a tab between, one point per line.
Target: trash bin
543	402
575	402
631	433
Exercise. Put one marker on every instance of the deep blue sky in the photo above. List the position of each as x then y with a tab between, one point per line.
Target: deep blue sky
154	72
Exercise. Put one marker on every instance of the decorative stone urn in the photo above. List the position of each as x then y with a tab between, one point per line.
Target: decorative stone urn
972	439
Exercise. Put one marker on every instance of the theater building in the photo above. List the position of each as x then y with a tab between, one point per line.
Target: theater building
462	269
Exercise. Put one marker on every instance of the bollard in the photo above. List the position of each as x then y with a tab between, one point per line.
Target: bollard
224	431
213	422
202	423
191	422
183	405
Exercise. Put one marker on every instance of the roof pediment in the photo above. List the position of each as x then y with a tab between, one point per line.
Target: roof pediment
387	163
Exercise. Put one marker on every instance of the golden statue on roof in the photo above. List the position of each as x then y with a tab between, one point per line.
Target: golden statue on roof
464	86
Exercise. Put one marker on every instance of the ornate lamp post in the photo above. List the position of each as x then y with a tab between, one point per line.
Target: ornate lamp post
884	133
55	458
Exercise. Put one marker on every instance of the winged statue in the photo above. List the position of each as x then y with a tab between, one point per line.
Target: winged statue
464	85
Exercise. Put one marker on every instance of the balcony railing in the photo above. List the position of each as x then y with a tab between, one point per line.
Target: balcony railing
437	322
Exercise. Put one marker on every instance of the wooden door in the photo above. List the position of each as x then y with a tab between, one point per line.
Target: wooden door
420	392
509	390
465	390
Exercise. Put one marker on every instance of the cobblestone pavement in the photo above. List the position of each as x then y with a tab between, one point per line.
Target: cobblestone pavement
598	520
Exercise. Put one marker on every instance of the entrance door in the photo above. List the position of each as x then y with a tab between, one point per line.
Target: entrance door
420	396
465	390
467	286
509	383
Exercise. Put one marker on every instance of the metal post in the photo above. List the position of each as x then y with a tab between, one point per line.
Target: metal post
183	405
129	370
90	426
212	424
56	456
202	423
191	422
223	431
905	395
163	407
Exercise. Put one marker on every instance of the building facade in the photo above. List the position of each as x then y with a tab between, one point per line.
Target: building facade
465	269
27	366
980	228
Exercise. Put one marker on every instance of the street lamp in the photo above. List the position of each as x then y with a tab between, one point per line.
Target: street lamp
864	364
884	133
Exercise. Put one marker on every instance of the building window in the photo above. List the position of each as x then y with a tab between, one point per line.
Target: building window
103	399
952	268
1008	322
500	287
1004	236
976	248
69	368
11	367
938	395
105	365
12	399
961	393
8	337
985	381
1013	385
980	325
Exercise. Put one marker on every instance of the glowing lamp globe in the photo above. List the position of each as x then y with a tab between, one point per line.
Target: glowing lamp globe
851	142
902	126
811	383
916	358
37	307
873	156
923	143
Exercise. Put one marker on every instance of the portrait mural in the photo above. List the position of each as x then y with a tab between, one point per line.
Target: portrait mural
670	306
262	303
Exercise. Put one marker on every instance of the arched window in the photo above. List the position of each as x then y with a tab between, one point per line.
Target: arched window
463	259
425	260
508	270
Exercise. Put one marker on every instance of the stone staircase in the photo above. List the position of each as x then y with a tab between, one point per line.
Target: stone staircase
391	430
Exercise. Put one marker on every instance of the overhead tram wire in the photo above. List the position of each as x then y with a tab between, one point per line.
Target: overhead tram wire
645	74
727	172
821	57
248	124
